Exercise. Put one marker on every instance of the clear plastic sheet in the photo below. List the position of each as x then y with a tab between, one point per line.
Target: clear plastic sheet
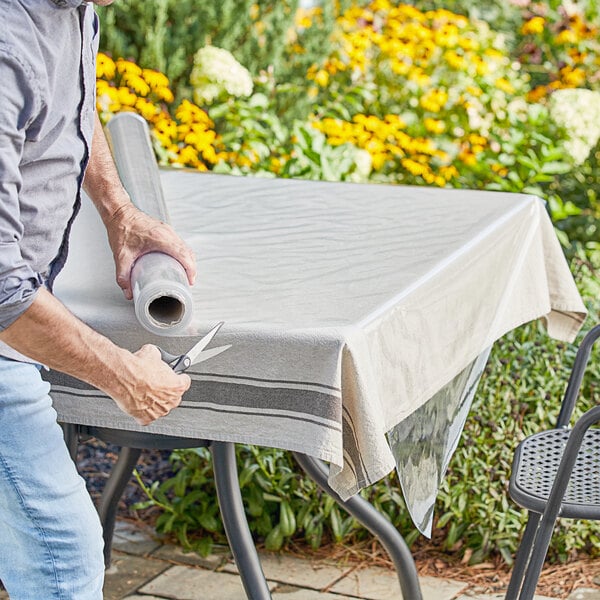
425	441
161	294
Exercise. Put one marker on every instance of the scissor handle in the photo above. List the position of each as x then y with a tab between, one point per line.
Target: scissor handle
178	363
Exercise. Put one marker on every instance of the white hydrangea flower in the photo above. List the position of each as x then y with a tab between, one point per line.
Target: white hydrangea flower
578	112
216	71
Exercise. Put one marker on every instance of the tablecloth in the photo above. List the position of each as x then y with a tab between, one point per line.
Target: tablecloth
348	306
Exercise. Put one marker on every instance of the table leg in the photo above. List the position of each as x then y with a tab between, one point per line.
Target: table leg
376	523
111	494
235	523
71	433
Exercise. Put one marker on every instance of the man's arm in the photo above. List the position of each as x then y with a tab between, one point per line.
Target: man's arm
140	383
131	233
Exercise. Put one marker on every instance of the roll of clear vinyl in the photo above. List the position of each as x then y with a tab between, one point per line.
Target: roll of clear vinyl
161	293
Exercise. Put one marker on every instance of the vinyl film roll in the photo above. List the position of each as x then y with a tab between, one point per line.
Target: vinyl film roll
161	293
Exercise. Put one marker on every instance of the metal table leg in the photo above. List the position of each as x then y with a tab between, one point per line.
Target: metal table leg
376	523
71	433
235	522
111	494
226	482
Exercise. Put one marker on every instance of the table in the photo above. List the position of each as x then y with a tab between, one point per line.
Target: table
348	307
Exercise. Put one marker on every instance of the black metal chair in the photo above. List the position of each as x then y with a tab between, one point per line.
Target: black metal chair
556	473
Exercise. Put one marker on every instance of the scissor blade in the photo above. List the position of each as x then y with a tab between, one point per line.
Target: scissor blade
196	350
206	354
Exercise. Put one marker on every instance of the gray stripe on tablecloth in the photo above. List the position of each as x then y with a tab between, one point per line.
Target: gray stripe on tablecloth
285	382
270	414
308	405
351	447
303	401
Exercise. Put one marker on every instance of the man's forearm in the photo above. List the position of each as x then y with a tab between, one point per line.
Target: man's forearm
48	333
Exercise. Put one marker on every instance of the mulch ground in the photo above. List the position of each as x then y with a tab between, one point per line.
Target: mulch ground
95	459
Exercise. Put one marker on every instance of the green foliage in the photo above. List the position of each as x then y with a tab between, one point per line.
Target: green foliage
519	394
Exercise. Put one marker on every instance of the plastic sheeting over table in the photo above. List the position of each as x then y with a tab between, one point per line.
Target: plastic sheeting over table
348	307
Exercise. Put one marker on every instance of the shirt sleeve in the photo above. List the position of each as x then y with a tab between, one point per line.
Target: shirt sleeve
18	106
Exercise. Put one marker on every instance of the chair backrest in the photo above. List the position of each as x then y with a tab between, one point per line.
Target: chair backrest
581	360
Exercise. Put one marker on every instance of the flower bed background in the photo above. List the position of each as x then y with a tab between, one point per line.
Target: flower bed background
425	94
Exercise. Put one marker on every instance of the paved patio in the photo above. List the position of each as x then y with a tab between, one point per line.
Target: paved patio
145	569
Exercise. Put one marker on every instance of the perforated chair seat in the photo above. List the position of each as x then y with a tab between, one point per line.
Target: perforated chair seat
535	465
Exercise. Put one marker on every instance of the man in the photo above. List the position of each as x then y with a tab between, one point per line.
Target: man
50	538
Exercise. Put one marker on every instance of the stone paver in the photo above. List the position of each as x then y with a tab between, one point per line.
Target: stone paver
476	596
128	573
585	594
297	571
190	583
177	555
294	593
380	584
132	539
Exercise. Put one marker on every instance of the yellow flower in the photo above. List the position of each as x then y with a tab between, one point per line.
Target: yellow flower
537	93
188	112
209	155
434	125
449	172
127	66
166	127
105	66
188	155
456	61
155	79
434	100
468	157
533	26
414	167
146	109
322	77
572	77
126	97
164	93
378	160
506	86
136	83
566	36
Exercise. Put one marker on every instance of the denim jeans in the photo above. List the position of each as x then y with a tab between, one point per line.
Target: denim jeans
50	533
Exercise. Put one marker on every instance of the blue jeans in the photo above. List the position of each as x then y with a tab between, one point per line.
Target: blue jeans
50	533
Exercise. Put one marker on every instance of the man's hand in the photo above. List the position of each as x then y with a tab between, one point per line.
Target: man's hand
149	388
132	233
141	383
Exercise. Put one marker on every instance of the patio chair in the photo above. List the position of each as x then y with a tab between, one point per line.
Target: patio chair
556	473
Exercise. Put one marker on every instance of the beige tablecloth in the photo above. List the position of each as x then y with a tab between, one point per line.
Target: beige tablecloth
348	306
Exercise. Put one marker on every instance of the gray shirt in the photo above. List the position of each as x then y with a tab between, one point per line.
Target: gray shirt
47	90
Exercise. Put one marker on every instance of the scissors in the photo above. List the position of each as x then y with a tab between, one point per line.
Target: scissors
196	353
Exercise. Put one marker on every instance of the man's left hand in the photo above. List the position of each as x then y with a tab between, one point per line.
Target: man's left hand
132	233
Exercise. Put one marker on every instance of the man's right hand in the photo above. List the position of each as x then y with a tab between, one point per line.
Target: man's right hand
148	388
